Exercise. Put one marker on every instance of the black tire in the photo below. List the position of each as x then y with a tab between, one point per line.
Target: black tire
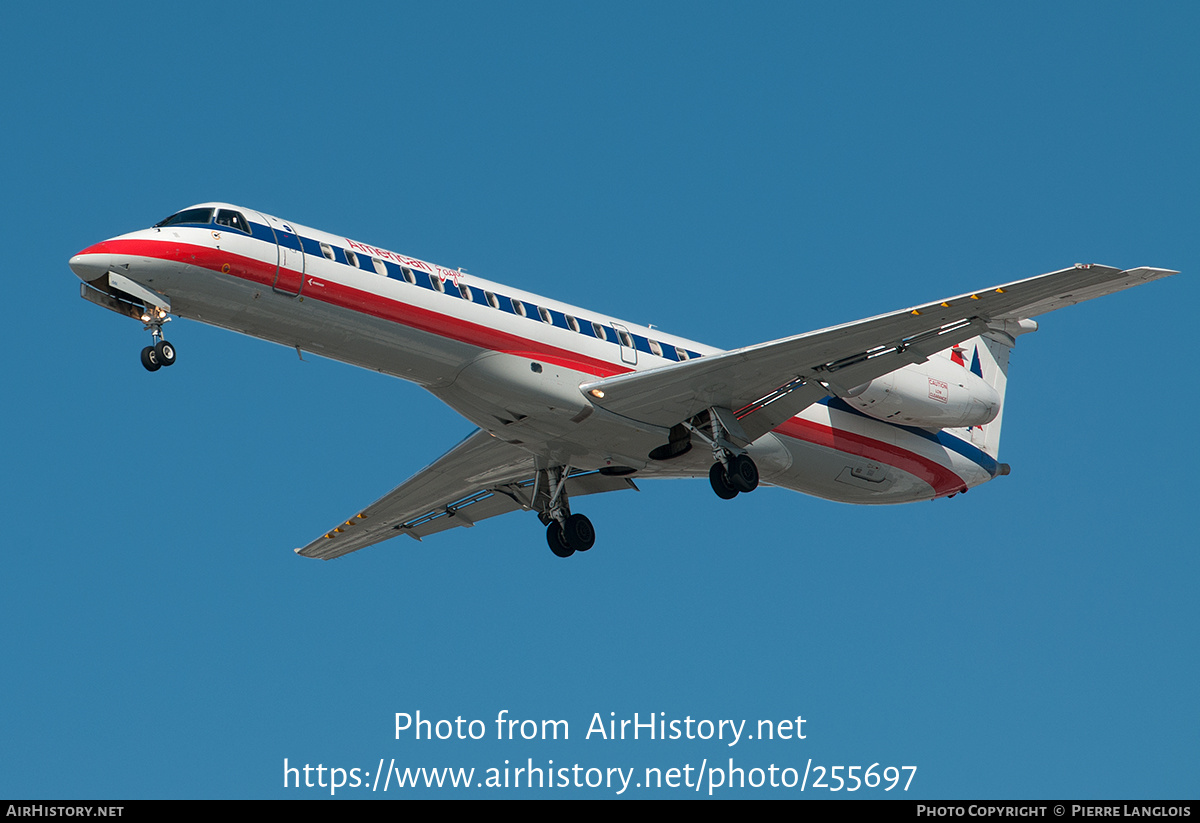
165	353
743	474
578	533
554	537
150	359
720	482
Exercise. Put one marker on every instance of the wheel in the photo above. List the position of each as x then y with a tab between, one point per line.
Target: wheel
150	359
554	537
165	352
578	533
720	482
743	474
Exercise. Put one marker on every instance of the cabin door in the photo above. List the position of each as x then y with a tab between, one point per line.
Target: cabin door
625	341
289	268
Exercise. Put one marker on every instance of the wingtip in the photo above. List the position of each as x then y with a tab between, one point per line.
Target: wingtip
1150	272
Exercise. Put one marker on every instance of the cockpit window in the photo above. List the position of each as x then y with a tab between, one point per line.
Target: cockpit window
233	220
192	217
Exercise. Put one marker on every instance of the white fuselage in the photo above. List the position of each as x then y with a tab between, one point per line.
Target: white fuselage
510	361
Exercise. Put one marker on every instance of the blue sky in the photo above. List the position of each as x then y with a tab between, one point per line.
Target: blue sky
732	175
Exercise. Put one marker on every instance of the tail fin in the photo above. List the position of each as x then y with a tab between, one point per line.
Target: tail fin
989	359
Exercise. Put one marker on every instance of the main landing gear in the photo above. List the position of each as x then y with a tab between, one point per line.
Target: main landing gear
733	470
161	353
737	474
574	534
566	533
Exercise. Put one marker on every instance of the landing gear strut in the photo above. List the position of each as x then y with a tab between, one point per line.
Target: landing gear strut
566	533
161	353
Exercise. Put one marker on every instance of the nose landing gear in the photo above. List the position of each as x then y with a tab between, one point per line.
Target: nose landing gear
161	353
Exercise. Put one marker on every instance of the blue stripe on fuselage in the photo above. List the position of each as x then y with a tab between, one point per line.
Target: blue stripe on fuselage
941	437
307	245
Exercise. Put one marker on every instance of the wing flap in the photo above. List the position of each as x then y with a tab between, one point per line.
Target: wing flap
479	478
426	503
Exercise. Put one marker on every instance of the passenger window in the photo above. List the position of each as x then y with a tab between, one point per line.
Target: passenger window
465	291
655	349
681	354
572	323
233	220
327	250
626	340
380	268
519	308
546	316
352	258
491	300
408	275
437	283
599	331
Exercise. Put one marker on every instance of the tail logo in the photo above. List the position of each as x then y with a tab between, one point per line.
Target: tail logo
956	356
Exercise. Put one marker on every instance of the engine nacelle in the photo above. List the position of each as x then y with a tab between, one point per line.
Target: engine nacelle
935	394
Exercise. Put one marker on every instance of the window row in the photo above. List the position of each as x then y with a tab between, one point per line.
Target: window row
550	317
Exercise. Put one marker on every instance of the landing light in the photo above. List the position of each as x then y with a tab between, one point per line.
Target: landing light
596	393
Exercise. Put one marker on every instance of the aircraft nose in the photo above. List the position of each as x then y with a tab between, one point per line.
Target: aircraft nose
90	264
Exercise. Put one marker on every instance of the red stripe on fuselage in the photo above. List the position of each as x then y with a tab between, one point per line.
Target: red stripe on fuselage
364	302
941	479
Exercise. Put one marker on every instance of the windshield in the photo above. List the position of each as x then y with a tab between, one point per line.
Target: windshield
191	217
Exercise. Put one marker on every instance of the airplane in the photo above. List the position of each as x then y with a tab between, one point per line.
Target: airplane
901	407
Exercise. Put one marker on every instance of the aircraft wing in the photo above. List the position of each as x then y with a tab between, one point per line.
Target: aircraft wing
765	384
481	477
